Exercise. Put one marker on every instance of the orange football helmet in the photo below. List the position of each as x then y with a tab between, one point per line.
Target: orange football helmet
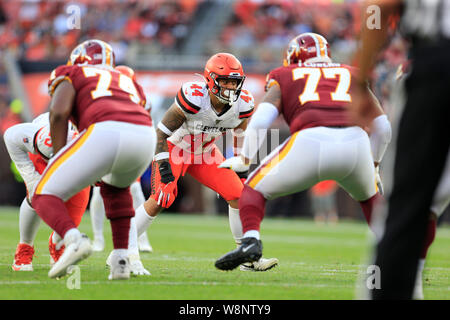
126	71
224	66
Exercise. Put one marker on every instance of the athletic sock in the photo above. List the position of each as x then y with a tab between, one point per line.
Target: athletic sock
235	224
52	210
252	234
429	238
97	211
29	223
143	220
251	207
133	248
367	207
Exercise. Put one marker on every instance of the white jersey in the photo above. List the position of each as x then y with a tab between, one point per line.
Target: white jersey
19	140
203	124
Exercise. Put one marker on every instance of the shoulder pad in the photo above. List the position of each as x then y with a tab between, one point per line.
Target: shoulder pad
190	97
246	104
59	75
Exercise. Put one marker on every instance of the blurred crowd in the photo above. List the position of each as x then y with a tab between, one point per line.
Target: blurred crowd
257	32
49	29
260	30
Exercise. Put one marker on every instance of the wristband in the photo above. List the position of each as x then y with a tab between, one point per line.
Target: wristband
164	129
161	156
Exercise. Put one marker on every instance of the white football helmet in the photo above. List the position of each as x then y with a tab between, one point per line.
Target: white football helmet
43	140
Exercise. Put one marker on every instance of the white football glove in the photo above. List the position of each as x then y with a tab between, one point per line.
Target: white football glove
236	164
378	181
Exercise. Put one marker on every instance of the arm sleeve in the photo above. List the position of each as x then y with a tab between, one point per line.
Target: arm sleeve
19	141
380	137
262	119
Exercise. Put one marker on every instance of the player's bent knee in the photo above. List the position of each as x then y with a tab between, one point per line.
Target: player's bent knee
234	203
118	201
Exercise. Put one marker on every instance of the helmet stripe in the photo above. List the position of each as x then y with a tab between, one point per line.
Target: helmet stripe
321	45
316	41
325	49
109	60
108	57
103	51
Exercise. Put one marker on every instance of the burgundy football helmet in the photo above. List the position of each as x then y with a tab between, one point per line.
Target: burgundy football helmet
307	47
95	52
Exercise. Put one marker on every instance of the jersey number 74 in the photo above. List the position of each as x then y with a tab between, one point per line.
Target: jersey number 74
104	81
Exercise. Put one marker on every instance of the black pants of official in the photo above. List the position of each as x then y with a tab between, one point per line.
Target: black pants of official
421	152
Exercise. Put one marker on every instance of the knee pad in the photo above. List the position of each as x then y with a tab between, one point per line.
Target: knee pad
118	201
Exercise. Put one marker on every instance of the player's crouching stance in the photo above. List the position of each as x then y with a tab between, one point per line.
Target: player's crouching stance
313	94
106	107
201	113
30	147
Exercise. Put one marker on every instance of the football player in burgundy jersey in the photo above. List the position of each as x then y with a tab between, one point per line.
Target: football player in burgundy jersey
312	93
97	209
202	112
112	150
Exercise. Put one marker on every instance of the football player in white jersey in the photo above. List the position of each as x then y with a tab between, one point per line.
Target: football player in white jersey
202	112
30	147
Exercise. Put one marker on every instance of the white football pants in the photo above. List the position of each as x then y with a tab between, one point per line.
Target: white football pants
116	153
316	154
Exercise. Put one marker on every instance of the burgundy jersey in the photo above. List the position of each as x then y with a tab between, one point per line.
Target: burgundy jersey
314	94
102	94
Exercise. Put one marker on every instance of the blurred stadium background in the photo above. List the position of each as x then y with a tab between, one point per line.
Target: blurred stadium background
167	42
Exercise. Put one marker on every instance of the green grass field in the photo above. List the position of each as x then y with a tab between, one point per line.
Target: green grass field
316	263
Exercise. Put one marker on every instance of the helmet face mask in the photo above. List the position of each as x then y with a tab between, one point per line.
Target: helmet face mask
94	52
307	47
226	94
224	66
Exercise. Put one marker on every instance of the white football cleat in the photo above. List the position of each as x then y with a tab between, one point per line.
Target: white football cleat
108	260
78	248
144	244
136	266
98	244
120	267
261	265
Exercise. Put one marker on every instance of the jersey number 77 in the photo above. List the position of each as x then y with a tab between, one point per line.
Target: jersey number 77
313	77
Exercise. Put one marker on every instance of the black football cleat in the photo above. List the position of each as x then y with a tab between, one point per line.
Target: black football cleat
249	251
